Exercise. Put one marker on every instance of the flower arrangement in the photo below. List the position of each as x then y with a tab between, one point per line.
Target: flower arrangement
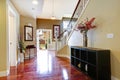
84	27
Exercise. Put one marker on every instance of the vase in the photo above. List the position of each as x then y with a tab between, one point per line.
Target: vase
21	57
85	39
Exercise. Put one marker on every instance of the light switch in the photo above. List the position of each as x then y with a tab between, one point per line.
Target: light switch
110	35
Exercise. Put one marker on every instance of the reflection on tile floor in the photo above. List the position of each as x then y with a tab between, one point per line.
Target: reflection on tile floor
45	67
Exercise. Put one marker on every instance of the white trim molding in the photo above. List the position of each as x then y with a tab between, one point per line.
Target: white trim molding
4	73
114	78
62	55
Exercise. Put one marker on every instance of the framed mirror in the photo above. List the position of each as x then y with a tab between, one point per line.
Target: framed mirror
28	33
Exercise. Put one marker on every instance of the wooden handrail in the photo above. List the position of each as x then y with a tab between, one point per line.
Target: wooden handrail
79	4
74	11
62	34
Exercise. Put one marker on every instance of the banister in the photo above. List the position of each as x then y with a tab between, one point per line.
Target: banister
80	8
74	12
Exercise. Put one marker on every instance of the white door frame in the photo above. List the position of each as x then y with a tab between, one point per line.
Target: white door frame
50	45
12	34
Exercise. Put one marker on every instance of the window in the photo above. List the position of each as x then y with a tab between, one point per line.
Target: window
65	24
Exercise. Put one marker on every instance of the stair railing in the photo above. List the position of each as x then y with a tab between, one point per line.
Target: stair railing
80	8
61	41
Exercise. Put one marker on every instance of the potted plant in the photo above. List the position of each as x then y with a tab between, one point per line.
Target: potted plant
22	50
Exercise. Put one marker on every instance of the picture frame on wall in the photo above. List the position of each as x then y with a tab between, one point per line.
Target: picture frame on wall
28	33
56	31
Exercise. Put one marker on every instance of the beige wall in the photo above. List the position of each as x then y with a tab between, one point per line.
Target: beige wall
107	14
3	36
47	23
25	21
64	52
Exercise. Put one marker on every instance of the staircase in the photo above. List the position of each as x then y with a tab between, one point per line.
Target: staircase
80	8
63	49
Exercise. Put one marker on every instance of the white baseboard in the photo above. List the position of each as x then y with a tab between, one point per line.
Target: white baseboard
114	78
63	56
4	73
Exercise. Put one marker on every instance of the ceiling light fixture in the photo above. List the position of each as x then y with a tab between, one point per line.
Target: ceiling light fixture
53	17
35	2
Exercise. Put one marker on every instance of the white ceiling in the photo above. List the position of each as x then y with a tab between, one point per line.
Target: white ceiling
46	8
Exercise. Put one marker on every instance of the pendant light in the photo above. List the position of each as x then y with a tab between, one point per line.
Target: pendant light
53	17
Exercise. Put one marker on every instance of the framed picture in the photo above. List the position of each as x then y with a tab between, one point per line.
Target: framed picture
28	33
56	31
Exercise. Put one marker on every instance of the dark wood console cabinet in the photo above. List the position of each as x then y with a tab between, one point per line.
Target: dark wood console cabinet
92	61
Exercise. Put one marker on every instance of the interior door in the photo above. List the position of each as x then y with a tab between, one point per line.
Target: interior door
12	40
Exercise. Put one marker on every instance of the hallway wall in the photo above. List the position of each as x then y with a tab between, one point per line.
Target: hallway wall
107	14
5	6
25	21
3	37
47	24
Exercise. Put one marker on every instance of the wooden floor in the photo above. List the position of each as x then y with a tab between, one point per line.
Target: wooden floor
45	67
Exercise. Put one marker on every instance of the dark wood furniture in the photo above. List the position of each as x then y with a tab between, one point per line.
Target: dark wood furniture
28	50
92	61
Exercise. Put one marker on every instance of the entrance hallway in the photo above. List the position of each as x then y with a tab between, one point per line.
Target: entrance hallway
46	66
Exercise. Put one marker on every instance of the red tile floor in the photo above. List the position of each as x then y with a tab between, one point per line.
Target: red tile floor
45	67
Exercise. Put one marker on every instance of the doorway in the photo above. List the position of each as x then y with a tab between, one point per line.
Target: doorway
12	34
44	39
